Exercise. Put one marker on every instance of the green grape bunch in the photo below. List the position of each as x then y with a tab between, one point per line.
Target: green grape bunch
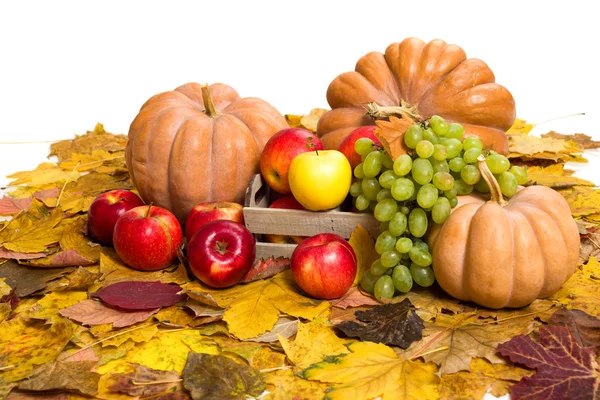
406	193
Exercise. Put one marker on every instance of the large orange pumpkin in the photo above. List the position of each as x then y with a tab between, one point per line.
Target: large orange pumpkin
198	143
432	78
500	253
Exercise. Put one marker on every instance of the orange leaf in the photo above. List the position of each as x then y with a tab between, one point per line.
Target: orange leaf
391	135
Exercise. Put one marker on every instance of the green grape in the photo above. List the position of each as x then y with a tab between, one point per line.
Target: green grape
384	288
398	224
439	165
377	269
508	184
520	173
385	210
455	131
423	276
367	281
390	258
417	222
451	194
402	165
443	180
429	134
356	188
427	195
403	245
402	279
414	195
454	147
384	226
422	171
456	164
372	164
403	189
441	210
387	178
453	202
359	172
404	210
362	202
420	244
424	149
412	136
462	188
385	242
472	142
470	156
363	146
370	187
386	161
439	152
470	174
383	194
439	125
481	186
420	257
497	163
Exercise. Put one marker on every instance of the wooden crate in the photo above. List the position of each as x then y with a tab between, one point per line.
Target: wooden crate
260	220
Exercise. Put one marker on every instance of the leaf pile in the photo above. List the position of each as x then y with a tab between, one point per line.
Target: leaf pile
76	323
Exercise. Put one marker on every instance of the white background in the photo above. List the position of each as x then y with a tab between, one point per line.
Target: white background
65	65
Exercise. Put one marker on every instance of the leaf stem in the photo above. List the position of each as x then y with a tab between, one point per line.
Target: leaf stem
65	185
148	383
443	348
6	367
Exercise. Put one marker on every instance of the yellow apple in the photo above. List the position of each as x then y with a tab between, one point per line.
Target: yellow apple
320	180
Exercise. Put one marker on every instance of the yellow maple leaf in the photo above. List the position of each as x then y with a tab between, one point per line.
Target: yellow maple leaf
45	173
371	370
254	308
519	126
93	160
531	147
554	176
364	248
314	341
584	201
285	385
50	304
98	139
308	121
581	290
27	234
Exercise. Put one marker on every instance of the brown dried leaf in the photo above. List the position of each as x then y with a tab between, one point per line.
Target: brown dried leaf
149	383
285	327
391	135
584	328
590	247
263	269
73	376
27	280
14	255
355	298
91	312
203	310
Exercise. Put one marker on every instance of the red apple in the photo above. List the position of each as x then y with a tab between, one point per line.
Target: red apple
288	202
221	252
324	266
147	238
280	150
347	145
106	209
206	212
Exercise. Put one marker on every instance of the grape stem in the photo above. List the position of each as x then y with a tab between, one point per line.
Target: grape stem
209	106
404	110
488	177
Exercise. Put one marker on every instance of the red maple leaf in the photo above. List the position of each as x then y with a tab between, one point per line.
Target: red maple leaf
564	370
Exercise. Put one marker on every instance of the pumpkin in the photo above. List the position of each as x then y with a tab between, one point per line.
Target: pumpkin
196	144
425	79
500	253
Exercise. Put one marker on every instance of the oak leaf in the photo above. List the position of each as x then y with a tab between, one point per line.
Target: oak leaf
371	370
140	295
581	290
254	308
391	324
584	328
391	135
314	341
75	376
564	370
148	383
364	248
92	312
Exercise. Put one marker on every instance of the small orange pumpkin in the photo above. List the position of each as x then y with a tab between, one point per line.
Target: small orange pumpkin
196	144
500	253
428	79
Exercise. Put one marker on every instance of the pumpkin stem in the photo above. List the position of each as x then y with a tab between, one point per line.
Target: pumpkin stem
209	106
490	179
404	110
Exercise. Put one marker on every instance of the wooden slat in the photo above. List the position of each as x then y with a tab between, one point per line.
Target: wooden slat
266	250
307	223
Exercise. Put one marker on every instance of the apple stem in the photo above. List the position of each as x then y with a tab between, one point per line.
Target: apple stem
148	212
209	106
310	145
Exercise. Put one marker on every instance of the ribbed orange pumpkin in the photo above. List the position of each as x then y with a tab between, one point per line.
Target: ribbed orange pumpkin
198	143
434	78
501	253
